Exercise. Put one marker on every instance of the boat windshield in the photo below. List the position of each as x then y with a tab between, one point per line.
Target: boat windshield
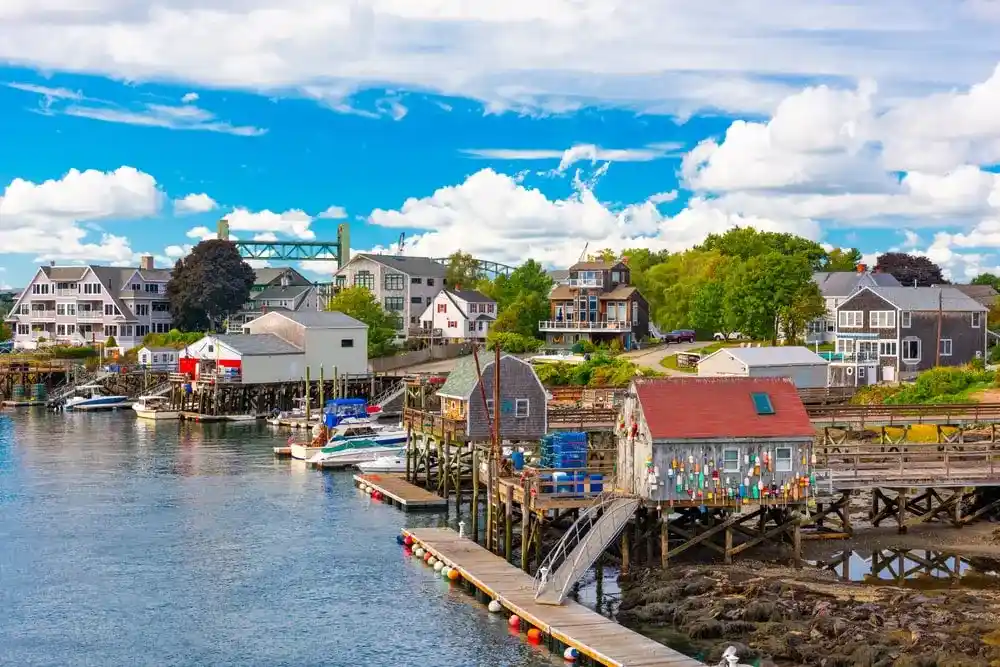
351	445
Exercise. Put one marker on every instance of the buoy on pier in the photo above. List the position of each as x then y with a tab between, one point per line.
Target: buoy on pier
445	571
570	654
534	635
432	560
407	540
438	566
453	574
514	621
494	606
419	552
400	541
427	557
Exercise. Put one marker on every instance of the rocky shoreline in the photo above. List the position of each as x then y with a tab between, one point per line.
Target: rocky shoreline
782	617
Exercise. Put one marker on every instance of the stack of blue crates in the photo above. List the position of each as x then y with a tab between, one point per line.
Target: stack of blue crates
564	450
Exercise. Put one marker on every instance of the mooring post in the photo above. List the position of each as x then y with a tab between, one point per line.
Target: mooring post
409	452
625	552
475	494
525	526
508	532
308	387
322	394
797	543
664	540
445	469
901	509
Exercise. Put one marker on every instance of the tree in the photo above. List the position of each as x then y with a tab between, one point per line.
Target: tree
208	285
606	255
530	277
987	279
911	269
840	259
523	315
463	270
111	342
5	332
747	242
773	291
358	302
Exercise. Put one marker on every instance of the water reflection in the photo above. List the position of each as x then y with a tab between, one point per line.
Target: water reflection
916	568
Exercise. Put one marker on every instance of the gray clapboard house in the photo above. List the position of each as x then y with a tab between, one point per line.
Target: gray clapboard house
523	399
836	286
884	334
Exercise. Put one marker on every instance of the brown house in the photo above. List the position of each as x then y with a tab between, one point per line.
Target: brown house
596	303
886	334
523	399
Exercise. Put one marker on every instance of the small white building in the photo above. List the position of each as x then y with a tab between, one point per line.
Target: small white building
458	315
329	339
806	369
158	358
250	359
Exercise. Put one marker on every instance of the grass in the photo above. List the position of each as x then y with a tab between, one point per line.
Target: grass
670	362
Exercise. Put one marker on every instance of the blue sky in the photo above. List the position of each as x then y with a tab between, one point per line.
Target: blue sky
497	130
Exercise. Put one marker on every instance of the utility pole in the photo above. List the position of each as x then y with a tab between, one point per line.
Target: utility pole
937	357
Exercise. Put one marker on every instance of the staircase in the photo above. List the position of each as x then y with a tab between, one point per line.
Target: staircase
390	395
161	389
58	397
583	543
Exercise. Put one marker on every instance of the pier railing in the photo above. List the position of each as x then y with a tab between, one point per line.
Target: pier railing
857	464
581	417
433	423
902	415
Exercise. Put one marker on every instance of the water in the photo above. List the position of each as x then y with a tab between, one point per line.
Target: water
126	543
916	568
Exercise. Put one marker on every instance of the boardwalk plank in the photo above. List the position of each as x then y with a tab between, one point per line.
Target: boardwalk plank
399	490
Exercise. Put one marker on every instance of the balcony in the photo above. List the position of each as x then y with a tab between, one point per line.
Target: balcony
613	326
68	292
850	357
90	315
38	315
586	282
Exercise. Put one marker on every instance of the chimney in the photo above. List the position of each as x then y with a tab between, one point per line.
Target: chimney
52	262
862	268
458	286
146	263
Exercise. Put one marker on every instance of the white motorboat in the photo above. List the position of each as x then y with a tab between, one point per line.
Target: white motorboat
242	419
394	461
88	397
155	408
298	412
348	453
340	432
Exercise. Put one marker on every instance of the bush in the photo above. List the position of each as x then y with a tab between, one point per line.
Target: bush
173	338
111	342
68	352
942	385
512	343
584	347
601	370
995	354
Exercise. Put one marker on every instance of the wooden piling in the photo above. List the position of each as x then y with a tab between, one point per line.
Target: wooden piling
308	392
475	493
508	523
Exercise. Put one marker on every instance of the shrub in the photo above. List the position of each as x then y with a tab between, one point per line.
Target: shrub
173	338
68	352
942	385
601	370
512	343
995	354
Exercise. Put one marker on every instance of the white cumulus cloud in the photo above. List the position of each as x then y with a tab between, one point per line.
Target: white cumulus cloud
194	203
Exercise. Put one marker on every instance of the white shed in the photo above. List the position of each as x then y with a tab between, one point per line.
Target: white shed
807	369
158	358
249	359
329	339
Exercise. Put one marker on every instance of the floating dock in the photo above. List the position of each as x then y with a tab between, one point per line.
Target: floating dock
24	404
397	491
597	638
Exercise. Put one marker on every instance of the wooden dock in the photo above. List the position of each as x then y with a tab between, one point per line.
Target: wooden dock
596	637
397	491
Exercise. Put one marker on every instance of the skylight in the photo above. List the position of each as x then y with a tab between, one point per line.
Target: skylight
762	402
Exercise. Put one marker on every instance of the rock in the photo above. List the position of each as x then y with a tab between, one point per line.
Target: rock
822	608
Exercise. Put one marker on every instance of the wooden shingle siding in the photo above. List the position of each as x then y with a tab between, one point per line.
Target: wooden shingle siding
517	380
965	340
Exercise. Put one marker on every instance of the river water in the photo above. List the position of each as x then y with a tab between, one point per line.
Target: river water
124	543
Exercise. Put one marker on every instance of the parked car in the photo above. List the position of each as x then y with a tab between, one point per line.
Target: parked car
679	336
735	335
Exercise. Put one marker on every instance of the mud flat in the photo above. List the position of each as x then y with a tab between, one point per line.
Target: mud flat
780	616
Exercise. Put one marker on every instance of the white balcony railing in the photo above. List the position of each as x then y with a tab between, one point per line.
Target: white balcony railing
42	315
852	357
90	315
584	325
586	282
67	292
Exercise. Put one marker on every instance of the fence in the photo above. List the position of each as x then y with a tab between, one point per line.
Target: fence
432	353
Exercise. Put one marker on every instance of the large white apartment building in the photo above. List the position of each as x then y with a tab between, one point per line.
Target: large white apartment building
82	305
403	285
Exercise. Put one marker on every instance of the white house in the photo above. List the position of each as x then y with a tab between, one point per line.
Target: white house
249	359
329	339
806	369
457	314
159	358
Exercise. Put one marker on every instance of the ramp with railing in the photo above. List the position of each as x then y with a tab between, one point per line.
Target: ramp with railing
390	396
598	526
58	397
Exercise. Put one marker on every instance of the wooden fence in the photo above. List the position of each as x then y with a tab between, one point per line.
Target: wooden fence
903	415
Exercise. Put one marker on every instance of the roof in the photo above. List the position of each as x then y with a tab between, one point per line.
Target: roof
984	294
558	275
266	276
620	292
114	278
251	345
411	266
462	379
469	295
790	355
594	266
845	283
158	349
64	273
691	408
279	292
928	298
323	319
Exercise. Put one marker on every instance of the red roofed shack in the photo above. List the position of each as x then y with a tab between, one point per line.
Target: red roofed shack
715	441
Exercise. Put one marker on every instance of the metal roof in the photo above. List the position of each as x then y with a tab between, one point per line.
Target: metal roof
279	292
984	294
321	319
929	298
251	345
470	295
411	266
790	355
845	283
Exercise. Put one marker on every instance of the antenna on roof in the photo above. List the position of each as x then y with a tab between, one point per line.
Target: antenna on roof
583	255
402	242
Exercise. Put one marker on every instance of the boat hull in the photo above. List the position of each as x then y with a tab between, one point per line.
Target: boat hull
383	464
354	458
305	452
156	415
104	403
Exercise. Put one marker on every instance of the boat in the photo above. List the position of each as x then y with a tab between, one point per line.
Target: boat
350	453
296	413
394	461
323	437
156	408
241	419
88	397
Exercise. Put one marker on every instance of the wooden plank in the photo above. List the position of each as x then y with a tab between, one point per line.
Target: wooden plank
402	492
599	638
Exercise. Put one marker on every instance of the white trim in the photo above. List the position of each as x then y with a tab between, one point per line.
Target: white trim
25	292
874	317
866	288
973	320
527	407
905	319
949	347
859	320
902	350
777	459
730	449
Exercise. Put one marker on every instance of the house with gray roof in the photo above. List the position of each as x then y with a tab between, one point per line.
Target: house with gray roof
804	367
835	286
984	294
457	315
886	334
402	284
276	288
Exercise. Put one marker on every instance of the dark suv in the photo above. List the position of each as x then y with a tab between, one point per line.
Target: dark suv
679	336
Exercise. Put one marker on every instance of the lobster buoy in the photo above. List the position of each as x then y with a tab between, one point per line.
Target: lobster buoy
432	560
514	621
427	557
445	571
438	566
494	606
571	654
419	552
453	574
407	540
400	540
534	635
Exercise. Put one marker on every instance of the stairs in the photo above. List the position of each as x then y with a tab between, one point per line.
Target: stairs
58	397
161	389
598	526
390	395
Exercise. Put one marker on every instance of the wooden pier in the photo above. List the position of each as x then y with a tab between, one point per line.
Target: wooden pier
401	493
596	637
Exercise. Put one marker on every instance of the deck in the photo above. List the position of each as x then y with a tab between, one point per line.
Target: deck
402	494
594	636
867	416
865	465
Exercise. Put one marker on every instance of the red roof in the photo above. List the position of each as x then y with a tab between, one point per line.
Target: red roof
722	407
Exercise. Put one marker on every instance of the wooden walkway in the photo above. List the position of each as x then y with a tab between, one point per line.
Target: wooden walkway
397	491
594	636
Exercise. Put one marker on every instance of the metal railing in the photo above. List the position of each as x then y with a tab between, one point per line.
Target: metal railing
585	282
584	325
850	357
90	315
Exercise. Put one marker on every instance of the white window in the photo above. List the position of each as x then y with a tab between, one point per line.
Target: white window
851	319
905	319
783	459
977	320
23	330
845	346
945	347
489	406
731	460
521	407
887	348
911	350
882	319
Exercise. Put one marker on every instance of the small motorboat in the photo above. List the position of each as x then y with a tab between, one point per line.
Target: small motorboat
350	453
88	397
324	437
394	461
242	419
155	408
296	413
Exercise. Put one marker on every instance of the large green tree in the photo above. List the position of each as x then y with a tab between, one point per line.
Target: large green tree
747	242
359	303
773	292
463	270
5	332
987	279
841	259
208	285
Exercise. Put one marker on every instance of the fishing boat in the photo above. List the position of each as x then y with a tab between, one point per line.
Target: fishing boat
340	432
394	461
348	453
88	397
155	408
296	413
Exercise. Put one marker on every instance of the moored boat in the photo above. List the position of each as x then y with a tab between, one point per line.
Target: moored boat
324	437
394	461
155	408
88	397
348	453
